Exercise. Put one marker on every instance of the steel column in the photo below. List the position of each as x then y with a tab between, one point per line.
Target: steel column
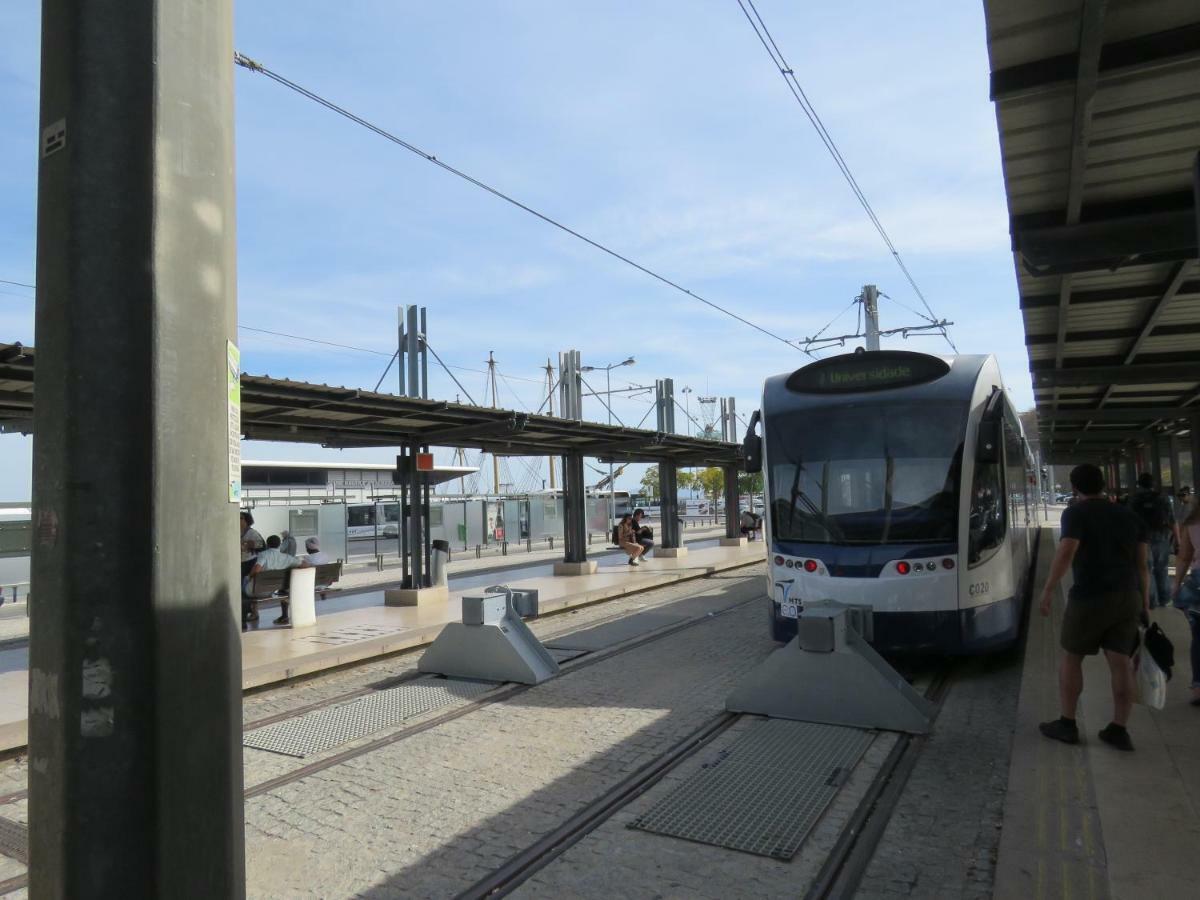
668	481
135	763
415	513
732	525
668	489
1156	467
574	510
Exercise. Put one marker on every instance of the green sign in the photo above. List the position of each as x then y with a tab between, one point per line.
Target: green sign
877	371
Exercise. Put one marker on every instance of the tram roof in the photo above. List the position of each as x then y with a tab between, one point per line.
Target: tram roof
276	409
1099	122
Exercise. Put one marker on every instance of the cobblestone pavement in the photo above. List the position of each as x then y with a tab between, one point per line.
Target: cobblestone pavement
429	815
282	698
943	838
615	861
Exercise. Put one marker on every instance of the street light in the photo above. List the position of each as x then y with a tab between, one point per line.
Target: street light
687	414
612	500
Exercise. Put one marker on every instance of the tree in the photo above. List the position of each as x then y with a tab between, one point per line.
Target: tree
711	481
750	483
686	480
650	484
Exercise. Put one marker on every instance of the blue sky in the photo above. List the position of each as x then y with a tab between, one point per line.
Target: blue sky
659	128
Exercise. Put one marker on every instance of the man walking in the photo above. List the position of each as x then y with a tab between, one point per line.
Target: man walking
1155	512
1105	546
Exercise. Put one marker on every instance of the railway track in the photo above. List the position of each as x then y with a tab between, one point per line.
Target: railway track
839	876
854	849
498	695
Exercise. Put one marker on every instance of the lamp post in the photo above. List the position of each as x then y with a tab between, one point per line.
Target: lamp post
612	500
687	414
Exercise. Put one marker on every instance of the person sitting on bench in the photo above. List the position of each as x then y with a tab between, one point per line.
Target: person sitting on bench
274	560
644	533
315	557
627	539
750	523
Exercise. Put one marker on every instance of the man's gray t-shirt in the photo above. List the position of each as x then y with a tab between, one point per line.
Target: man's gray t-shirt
1108	535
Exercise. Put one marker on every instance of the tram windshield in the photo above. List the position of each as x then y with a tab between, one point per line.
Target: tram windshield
885	473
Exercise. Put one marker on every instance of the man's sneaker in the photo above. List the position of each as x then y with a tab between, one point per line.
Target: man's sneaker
633	562
1116	736
283	620
1060	729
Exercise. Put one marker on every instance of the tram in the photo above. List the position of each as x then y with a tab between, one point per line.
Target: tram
901	481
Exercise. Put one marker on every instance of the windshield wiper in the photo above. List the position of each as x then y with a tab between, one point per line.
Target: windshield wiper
799	494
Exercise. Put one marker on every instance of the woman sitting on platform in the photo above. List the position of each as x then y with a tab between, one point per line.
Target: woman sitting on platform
627	539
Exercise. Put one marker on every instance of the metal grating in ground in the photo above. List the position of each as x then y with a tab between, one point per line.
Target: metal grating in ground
765	792
14	840
324	729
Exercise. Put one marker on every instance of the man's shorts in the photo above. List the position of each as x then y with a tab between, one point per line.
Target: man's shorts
1107	621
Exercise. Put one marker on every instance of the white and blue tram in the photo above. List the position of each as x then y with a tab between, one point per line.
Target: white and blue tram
902	481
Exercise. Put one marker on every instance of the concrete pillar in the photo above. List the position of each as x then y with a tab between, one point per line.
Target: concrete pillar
668	488
733	534
135	762
575	561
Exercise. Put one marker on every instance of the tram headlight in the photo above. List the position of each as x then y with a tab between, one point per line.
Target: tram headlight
947	563
810	565
779	560
903	567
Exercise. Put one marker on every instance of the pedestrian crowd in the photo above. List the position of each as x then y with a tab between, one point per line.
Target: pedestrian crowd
1119	555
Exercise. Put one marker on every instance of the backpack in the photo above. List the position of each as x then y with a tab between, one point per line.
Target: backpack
1151	508
616	536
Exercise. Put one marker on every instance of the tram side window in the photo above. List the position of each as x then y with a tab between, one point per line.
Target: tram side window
988	520
1018	483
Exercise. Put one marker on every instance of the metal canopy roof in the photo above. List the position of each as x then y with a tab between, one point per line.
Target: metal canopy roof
278	410
1098	108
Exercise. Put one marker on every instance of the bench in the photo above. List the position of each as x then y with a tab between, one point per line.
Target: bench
268	584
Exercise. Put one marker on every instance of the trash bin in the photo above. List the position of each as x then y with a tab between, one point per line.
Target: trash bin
439	555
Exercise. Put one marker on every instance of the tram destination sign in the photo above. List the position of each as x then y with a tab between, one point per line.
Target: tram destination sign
878	371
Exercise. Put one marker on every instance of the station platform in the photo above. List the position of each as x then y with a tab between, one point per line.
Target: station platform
1088	820
340	638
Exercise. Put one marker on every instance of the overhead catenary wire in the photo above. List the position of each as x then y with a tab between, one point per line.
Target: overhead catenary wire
252	65
831	321
789	76
312	340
